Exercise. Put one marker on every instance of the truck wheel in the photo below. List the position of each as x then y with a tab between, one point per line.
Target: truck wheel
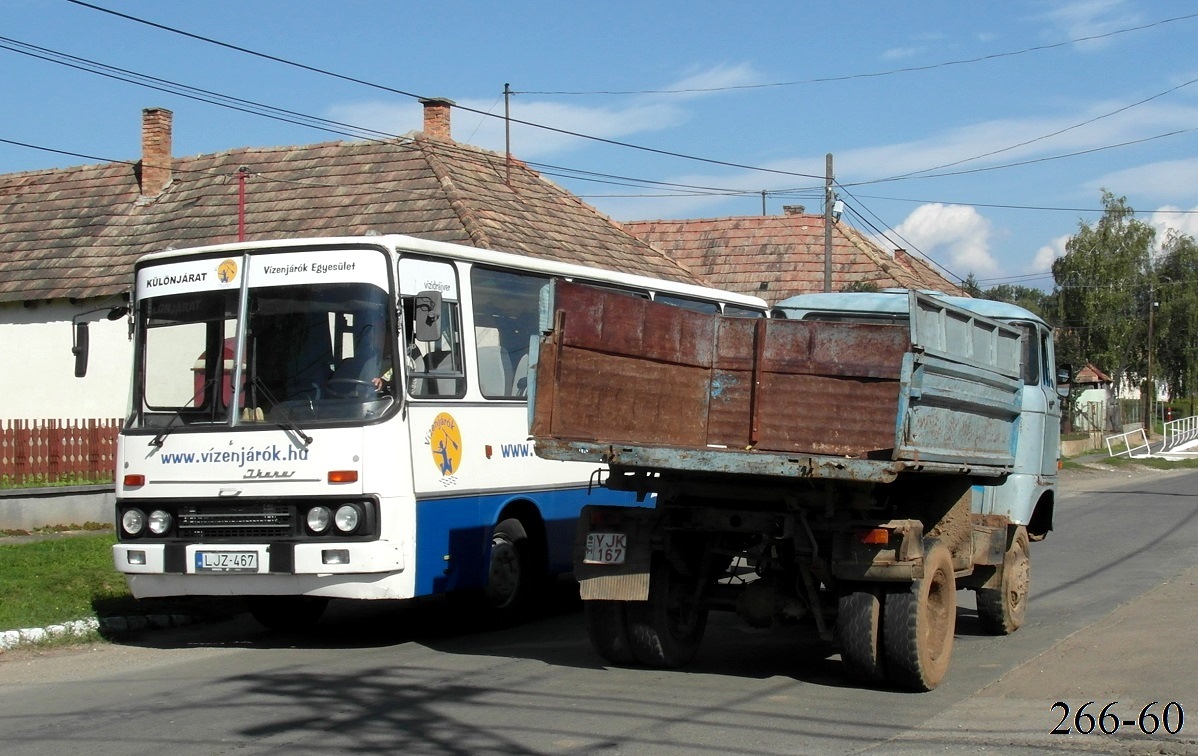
665	631
509	576
286	614
1001	610
918	624
607	627
859	628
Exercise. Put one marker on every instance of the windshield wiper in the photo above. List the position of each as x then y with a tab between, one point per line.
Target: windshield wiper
287	422
157	440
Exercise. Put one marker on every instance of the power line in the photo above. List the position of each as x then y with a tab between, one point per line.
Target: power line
906	244
65	152
875	74
1046	159
1049	135
185	90
669	153
1002	206
393	90
294	117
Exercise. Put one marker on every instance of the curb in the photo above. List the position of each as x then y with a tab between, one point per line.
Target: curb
32	636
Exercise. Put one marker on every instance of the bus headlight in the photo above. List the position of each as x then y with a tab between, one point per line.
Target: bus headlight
160	522
133	521
348	517
318	519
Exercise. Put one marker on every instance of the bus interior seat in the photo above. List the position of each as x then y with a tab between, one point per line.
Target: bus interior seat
494	366
439	361
520	377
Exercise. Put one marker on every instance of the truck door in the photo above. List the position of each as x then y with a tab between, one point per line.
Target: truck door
1052	417
1038	445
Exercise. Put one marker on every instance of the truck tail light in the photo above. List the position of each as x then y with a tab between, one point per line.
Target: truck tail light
874	536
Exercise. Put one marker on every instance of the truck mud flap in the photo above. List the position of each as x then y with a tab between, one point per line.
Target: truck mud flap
612	553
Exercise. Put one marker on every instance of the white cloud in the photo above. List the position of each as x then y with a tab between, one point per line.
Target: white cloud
472	125
1172	218
1166	180
902	53
1011	140
1042	262
722	76
480	123
956	235
1089	18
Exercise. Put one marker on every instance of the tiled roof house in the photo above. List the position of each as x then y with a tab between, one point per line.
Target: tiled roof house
69	237
75	232
775	257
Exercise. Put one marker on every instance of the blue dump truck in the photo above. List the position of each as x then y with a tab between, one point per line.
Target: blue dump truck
849	463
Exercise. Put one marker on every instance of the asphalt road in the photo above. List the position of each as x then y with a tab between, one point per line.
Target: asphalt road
1112	619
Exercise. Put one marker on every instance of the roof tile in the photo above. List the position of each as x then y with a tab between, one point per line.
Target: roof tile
75	232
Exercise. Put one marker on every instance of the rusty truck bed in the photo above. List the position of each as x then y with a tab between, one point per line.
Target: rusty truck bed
647	385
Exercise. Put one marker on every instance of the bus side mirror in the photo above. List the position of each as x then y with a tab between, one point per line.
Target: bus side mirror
427	324
80	338
79	349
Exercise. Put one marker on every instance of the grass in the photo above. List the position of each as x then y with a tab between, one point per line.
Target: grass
62	579
56	580
44	481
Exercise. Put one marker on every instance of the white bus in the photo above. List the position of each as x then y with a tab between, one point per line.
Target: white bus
346	418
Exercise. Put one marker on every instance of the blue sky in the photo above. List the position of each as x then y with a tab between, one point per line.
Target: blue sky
976	133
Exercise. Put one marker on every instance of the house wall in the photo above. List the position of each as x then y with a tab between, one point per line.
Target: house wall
1093	409
37	369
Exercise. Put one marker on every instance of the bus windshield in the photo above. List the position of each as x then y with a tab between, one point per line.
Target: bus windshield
311	351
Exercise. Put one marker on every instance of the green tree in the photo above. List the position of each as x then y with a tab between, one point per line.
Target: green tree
1175	336
1103	287
1029	298
971	287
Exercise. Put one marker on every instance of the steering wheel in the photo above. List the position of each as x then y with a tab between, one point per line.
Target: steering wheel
351	388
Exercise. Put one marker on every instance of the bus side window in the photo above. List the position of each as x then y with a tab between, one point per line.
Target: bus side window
432	341
434	367
505	319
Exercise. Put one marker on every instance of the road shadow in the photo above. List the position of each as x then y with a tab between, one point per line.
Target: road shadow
554	633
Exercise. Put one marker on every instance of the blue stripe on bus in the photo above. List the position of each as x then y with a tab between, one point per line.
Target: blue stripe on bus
460	528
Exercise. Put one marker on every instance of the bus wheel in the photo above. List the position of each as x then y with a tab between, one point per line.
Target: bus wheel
1001	610
509	577
285	614
607	627
918	624
665	631
859	629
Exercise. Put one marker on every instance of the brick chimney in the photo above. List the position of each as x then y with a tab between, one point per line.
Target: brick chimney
436	117
793	209
155	167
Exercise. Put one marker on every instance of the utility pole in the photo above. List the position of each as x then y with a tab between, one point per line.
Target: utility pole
507	129
242	173
1149	386
828	198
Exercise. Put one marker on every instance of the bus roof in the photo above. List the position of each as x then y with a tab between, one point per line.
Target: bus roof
402	243
894	302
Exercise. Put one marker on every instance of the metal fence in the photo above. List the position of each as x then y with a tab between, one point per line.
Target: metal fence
46	452
1180	432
